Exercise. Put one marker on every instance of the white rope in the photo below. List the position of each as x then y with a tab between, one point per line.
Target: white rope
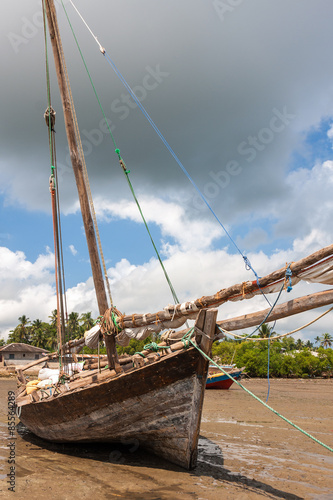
101	48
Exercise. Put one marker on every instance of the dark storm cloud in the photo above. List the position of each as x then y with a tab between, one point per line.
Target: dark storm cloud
231	88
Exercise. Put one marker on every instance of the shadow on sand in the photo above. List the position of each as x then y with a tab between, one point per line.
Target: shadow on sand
130	454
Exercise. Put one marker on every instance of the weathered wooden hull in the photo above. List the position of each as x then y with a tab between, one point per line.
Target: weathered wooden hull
157	406
222	381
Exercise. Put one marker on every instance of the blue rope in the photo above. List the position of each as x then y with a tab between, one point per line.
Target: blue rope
263	321
173	154
268	359
123	80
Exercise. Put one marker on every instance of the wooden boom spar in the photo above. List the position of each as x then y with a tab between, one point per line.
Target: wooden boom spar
79	175
226	294
290	308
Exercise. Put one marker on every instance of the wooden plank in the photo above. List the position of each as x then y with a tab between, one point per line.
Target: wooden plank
208	319
284	310
134	384
21	391
92	379
20	376
94	365
39	361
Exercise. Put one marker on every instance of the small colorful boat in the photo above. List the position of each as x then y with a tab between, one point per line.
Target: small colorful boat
219	380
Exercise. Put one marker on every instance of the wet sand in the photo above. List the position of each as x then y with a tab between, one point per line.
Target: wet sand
245	452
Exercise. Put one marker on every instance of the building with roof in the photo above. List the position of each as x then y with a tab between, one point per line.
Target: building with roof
20	354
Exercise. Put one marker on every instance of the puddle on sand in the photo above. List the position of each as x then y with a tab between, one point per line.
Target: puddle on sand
234	422
209	452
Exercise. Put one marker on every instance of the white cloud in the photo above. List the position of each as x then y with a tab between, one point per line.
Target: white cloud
72	250
194	266
142	288
25	288
308	207
139	289
16	271
171	218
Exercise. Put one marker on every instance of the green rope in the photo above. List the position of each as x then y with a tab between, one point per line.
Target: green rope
173	291
186	339
126	172
141	354
260	401
113	317
153	347
99	320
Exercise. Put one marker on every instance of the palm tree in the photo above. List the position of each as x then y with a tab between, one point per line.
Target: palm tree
317	340
23	329
54	318
288	343
51	337
265	331
38	337
326	340
299	344
87	321
73	325
20	334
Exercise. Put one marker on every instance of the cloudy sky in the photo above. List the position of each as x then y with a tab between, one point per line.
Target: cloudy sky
243	93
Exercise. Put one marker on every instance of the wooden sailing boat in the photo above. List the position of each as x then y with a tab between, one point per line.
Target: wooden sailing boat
218	380
155	398
158	401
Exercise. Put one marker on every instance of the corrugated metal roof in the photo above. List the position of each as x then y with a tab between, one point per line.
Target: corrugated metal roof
20	347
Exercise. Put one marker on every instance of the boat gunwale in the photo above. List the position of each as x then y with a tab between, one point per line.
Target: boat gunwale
119	377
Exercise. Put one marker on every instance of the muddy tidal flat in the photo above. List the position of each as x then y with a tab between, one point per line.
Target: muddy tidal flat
245	452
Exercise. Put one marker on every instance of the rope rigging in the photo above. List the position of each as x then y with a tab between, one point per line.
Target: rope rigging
187	342
248	265
288	283
49	117
247	262
85	172
187	337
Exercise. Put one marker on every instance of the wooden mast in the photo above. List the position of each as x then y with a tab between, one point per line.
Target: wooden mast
79	178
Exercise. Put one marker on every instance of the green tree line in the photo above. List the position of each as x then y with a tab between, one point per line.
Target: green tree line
44	335
288	357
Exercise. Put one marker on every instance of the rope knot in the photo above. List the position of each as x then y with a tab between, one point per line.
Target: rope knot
52	183
288	275
249	267
152	347
109	322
